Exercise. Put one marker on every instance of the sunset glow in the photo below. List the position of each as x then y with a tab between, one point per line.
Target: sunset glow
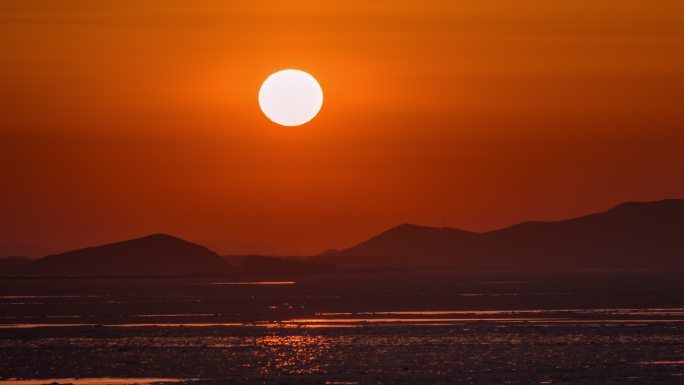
341	192
481	114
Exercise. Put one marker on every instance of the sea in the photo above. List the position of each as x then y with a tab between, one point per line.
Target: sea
347	327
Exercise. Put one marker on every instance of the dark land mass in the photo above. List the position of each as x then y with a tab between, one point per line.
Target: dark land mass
26	249
238	247
632	235
157	254
262	264
644	234
14	262
154	255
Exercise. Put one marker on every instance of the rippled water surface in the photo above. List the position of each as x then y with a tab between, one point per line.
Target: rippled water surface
346	328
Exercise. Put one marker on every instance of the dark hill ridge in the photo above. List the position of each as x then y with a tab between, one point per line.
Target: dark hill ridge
634	234
645	234
157	254
14	261
256	264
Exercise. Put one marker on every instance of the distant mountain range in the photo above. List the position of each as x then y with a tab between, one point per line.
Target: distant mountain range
13	262
634	234
647	234
256	264
152	255
238	247
25	249
157	254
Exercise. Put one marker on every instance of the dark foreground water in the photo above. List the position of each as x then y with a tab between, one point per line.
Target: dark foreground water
347	328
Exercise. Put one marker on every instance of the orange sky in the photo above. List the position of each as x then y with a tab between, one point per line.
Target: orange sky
121	118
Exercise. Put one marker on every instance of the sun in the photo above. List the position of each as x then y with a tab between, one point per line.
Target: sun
290	97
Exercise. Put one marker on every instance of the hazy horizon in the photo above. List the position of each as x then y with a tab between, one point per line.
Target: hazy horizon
230	246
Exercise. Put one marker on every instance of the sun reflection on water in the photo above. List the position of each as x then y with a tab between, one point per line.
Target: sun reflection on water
293	354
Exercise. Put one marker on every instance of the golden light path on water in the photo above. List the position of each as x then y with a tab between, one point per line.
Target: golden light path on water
355	322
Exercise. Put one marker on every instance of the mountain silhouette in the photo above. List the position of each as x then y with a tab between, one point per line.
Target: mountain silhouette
25	249
157	254
264	264
633	234
14	261
238	247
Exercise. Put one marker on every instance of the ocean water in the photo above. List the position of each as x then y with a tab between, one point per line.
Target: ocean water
365	327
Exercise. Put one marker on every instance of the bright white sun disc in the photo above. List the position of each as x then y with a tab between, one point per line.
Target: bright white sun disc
290	97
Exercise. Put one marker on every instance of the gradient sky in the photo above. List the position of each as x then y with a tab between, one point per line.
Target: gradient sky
122	118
